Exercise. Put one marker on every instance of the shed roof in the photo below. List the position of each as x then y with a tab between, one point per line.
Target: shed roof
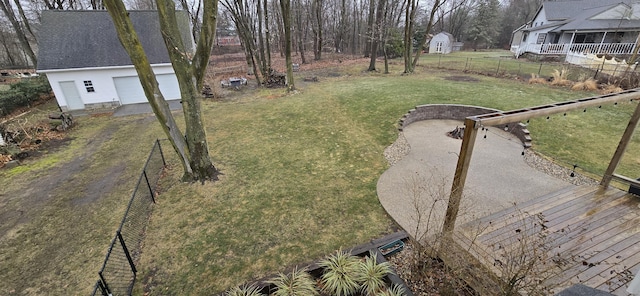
86	39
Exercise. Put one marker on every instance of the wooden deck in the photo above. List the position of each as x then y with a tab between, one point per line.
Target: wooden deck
583	235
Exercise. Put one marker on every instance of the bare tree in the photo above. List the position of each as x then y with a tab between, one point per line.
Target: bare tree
301	24
285	7
191	147
317	8
409	19
243	16
7	9
434	8
376	33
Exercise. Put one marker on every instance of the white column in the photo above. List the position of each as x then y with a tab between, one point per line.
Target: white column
601	42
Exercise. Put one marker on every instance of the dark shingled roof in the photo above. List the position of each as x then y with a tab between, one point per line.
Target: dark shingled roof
81	39
562	10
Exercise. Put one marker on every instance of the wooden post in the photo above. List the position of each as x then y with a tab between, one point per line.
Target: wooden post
460	177
622	146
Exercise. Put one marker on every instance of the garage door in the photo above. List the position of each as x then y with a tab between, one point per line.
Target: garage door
130	90
169	86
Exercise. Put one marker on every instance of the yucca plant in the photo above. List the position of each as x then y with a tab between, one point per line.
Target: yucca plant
297	283
395	290
244	291
373	274
341	274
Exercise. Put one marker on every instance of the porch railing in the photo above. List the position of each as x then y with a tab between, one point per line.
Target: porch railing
595	48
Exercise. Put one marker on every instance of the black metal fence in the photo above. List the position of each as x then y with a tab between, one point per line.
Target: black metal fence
118	272
506	66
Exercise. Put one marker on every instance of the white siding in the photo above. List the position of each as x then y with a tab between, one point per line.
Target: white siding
102	80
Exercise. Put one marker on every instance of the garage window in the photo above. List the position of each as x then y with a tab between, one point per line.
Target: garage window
89	86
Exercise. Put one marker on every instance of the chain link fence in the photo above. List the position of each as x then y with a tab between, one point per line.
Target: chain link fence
509	67
118	272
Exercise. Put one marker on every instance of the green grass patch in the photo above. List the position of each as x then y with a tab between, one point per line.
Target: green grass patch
300	175
299	180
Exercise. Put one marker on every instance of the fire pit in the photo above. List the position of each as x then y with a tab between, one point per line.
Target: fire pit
457	133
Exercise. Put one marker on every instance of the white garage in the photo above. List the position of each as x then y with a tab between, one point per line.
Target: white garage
99	74
130	90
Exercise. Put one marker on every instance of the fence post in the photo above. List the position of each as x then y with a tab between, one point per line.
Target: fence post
104	286
539	69
126	253
498	71
146	179
519	68
164	163
439	58
465	64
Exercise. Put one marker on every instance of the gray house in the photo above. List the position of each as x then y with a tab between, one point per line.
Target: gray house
580	26
444	43
87	66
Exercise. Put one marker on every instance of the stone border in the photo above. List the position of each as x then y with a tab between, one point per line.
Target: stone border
460	112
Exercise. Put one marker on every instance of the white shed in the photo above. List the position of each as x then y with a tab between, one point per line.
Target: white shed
442	42
87	66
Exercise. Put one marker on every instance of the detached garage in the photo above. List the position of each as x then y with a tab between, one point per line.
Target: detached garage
87	67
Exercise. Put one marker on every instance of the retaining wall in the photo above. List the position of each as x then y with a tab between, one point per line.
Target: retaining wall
460	112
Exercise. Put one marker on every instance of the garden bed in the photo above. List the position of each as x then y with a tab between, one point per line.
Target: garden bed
415	273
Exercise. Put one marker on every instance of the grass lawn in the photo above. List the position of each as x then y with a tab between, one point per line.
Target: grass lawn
300	173
299	180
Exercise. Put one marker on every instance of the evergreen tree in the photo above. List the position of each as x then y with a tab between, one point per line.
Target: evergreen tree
485	27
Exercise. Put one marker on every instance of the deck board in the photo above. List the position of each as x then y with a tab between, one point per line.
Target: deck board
591	236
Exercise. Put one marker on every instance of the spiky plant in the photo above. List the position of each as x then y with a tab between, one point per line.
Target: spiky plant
244	291
394	290
341	274
297	283
373	274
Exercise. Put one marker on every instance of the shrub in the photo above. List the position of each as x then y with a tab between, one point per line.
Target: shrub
341	274
373	274
22	94
244	291
394	290
560	78
611	88
297	283
588	84
535	79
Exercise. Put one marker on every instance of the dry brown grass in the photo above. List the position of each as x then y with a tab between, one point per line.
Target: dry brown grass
560	78
610	88
589	84
535	79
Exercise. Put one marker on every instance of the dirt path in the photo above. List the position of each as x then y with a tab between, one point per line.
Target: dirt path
58	212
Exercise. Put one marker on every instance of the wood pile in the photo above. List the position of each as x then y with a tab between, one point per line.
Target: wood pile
275	79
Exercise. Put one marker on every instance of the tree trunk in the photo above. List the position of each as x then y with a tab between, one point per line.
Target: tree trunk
375	34
5	6
267	36
410	13
263	61
192	148
285	7
436	5
299	32
370	24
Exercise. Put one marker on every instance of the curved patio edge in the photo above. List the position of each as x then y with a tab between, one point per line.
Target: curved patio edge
460	112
